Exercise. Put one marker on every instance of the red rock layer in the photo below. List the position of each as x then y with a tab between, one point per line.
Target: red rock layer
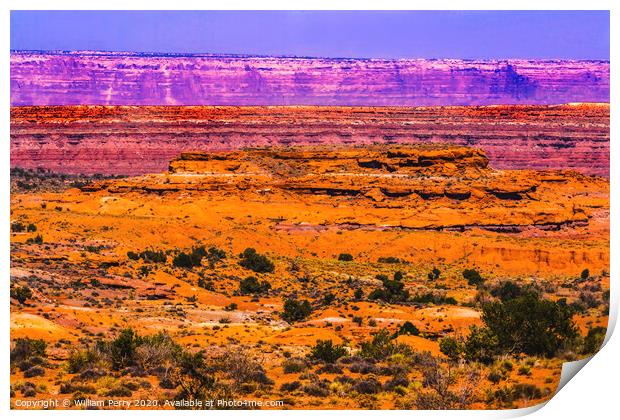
99	78
138	140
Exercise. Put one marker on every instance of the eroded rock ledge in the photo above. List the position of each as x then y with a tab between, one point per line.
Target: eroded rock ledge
411	187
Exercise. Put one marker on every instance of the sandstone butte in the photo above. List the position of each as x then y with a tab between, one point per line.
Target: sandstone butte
102	78
428	205
379	190
134	140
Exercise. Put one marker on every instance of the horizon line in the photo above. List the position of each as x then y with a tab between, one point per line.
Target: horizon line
301	57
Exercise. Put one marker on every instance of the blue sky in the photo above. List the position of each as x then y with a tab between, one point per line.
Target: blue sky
364	34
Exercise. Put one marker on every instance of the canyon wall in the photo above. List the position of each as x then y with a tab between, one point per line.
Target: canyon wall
138	140
96	78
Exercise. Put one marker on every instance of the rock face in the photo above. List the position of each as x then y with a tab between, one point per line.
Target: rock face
97	78
423	187
139	140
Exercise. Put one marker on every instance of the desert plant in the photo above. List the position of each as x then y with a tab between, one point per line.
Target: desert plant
251	285
256	262
296	310
326	351
473	277
21	293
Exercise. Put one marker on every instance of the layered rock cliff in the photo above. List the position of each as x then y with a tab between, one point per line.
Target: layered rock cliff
139	140
97	78
413	187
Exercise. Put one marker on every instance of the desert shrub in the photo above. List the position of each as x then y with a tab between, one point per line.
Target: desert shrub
152	256
80	360
191	259
294	365
34	371
530	325
256	262
434	274
329	368
397	381
473	277
367	386
25	348
508	290
389	260
441	391
157	350
241	368
31	227
393	290
382	346
481	345
21	293
17	227
587	300
585	274
506	395
133	255
122	349
328	298
594	340
215	254
364	367
451	347
408	329
345	257
326	351
251	285
296	310
119	391
36	240
358	294
494	376
316	389
231	307
194	378
290	386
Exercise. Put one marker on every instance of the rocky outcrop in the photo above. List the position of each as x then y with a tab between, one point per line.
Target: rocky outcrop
424	187
139	140
100	78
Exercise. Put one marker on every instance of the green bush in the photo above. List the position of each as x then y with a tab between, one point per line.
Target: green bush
481	345
17	227
295	310
25	348
389	260
393	290
526	324
345	257
123	348
327	352
408	329
594	340
256	262
382	346
473	277
251	285
190	260
451	347
434	274
21	293
530	325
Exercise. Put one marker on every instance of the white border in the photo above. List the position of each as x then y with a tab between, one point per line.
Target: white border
592	395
